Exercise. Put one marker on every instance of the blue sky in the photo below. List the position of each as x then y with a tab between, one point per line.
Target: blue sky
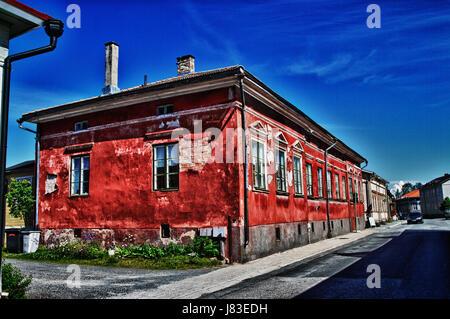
384	92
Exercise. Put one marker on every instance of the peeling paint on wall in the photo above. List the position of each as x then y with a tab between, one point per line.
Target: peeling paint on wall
50	184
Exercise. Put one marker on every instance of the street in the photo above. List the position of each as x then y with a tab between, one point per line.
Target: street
413	259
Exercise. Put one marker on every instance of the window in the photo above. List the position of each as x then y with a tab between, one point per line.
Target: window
309	183
165	231
344	188
350	183
329	181
79	182
324	227
277	233
320	181
298	175
79	126
312	227
338	191
281	170
359	189
166	167
299	229
164	109
258	165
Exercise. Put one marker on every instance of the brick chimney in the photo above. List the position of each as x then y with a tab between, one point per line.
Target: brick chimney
111	68
185	64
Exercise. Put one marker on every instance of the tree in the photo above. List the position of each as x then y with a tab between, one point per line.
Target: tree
21	201
406	188
417	186
445	205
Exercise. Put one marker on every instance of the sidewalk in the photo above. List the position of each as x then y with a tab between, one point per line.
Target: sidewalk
195	287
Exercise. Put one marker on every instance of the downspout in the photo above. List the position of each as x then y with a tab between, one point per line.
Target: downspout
244	142
54	29
329	234
367	186
36	172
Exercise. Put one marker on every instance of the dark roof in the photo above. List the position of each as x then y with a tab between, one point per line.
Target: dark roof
184	79
180	80
20	167
438	180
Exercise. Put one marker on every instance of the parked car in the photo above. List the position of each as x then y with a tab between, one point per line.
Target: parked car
415	217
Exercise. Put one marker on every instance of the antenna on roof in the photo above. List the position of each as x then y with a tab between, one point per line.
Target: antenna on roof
145	79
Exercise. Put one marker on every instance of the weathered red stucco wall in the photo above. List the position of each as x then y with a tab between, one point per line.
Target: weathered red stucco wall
121	190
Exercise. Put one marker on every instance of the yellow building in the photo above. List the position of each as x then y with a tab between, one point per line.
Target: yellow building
22	171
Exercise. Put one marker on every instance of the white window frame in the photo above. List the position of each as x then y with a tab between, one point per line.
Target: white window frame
81	181
264	161
285	190
296	179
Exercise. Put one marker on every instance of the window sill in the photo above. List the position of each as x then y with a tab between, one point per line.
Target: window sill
282	193
299	195
77	196
166	190
260	190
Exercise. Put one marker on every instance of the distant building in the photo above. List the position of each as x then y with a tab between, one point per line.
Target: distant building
376	199
433	193
21	171
408	202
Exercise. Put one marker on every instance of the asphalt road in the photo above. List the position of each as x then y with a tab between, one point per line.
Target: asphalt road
413	259
414	262
50	280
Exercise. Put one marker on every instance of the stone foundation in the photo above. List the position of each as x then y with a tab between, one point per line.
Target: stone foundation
117	237
263	238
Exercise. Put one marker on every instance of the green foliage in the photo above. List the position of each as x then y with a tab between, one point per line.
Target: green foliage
76	250
21	200
14	282
202	247
445	204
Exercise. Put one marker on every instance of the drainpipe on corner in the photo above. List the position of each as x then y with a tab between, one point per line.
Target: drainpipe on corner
244	142
329	234
54	29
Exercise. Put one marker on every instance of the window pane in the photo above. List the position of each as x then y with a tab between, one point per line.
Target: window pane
75	188
173	166
85	189
160	153
75	176
76	163
86	162
85	176
173	180
172	151
160	182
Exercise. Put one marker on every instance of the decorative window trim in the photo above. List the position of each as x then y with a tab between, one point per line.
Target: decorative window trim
297	147
281	139
257	128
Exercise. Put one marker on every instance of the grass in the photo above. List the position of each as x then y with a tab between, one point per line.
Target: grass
166	263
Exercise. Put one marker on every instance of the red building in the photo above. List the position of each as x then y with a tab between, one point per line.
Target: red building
165	162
